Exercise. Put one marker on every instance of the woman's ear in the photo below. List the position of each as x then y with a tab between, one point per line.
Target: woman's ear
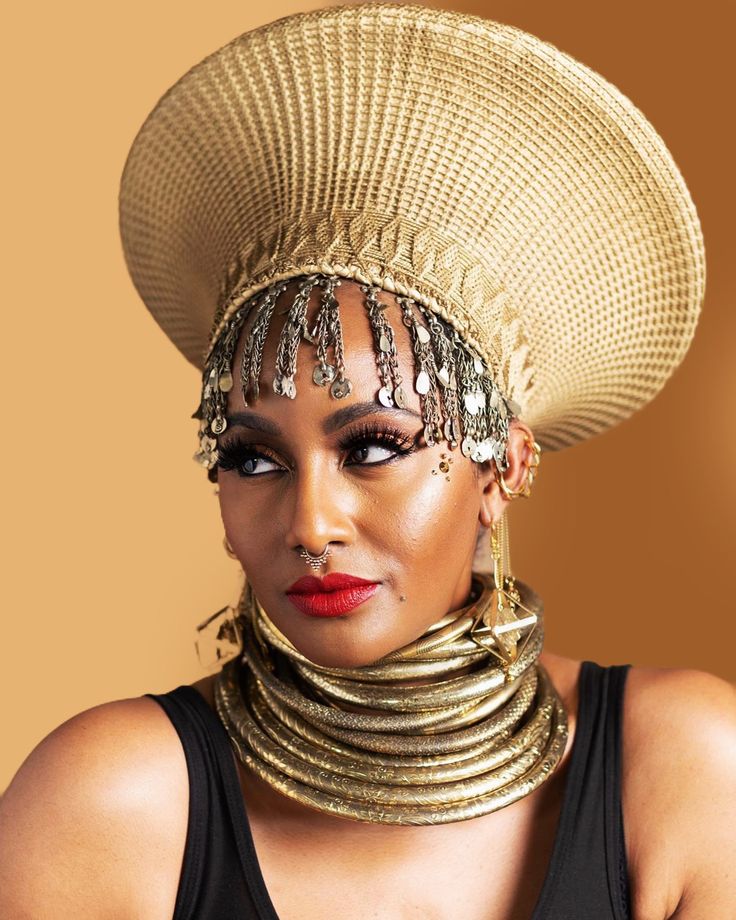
520	455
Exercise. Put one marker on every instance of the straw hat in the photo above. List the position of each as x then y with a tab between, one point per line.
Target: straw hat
453	159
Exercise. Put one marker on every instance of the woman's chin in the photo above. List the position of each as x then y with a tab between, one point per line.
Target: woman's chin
357	657
344	647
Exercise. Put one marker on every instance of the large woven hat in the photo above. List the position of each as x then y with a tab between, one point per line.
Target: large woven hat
453	159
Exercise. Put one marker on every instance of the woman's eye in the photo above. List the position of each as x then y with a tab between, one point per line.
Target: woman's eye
246	463
372	447
372	453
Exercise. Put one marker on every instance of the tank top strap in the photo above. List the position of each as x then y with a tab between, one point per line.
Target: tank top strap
220	878
588	876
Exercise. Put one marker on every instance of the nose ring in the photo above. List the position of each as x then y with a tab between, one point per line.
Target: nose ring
315	561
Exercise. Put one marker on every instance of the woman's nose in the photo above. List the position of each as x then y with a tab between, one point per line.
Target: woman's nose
321	511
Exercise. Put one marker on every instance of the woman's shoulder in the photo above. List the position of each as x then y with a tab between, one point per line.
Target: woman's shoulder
679	795
679	726
677	782
97	808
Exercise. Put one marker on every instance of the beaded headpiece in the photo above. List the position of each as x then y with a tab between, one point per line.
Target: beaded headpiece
459	398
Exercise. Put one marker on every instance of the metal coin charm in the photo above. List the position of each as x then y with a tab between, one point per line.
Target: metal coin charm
385	398
423	334
429	435
481	453
323	374
400	397
471	403
289	388
421	384
467	446
341	388
226	381
218	424
498	451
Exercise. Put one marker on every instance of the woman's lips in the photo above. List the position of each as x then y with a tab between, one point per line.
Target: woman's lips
334	595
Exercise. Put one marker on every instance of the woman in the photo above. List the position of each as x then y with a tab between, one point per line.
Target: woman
407	248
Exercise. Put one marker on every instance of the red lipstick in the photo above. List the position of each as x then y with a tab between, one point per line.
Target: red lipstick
332	596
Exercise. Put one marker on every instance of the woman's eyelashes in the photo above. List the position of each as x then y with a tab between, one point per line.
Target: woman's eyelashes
244	459
368	446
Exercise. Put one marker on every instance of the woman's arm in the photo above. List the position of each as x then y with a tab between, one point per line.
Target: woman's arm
93	824
679	794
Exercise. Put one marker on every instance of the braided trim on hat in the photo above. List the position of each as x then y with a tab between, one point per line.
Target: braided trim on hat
424	265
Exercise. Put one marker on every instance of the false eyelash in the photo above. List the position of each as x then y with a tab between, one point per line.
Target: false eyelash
386	436
232	455
235	452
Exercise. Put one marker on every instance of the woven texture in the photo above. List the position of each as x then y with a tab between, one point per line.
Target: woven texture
454	159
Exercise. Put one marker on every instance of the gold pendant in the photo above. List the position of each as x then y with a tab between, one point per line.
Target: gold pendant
502	626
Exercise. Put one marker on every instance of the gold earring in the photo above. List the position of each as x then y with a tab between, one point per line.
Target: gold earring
526	489
228	549
501	620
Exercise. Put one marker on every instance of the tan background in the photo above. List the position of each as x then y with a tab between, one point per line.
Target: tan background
112	537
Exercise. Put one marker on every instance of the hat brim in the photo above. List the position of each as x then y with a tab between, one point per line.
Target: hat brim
449	157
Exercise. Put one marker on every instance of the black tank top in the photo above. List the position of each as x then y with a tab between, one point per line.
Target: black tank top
586	878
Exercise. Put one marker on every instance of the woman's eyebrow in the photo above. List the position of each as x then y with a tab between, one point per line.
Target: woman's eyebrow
338	419
344	416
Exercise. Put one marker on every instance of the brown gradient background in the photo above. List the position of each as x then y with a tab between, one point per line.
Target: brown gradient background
112	535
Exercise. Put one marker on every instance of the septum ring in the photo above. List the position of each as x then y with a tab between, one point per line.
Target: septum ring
316	561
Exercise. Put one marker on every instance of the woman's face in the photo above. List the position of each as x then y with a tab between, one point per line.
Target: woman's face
314	470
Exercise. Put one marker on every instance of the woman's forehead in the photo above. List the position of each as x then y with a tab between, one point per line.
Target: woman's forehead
362	344
359	355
